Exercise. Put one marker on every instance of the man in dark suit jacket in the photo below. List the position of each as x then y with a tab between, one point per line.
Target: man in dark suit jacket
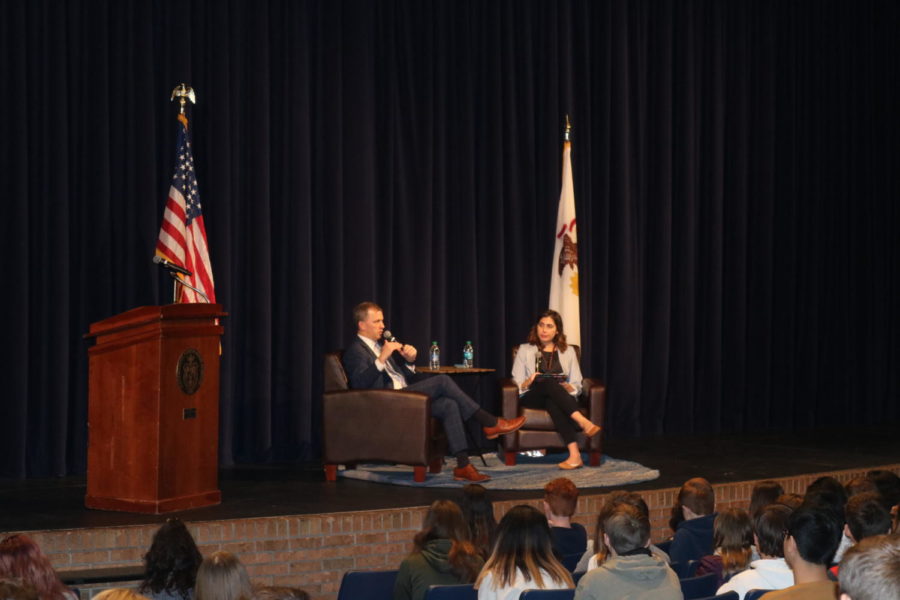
374	363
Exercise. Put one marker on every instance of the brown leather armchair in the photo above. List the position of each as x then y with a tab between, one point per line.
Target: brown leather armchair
392	426
538	431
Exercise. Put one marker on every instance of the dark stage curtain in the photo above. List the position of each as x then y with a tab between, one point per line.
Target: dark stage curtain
735	173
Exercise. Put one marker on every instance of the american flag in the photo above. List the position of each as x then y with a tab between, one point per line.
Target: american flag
182	236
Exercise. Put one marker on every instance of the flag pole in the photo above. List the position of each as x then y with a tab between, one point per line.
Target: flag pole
183	92
567	136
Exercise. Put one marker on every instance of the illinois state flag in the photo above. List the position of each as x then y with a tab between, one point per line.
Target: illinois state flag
182	236
564	275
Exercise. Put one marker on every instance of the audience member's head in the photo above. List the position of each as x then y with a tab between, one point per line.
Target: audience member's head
764	493
21	558
813	536
479	514
275	592
732	538
444	521
561	497
870	570
791	500
866	516
860	485
696	498
173	559
615	499
626	529
222	576
888	484
13	588
826	492
524	545
768	530
119	594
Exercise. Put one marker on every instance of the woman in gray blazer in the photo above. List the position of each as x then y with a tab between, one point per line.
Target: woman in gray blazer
549	378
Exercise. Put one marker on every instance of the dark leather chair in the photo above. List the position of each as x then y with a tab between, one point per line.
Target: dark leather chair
538	431
392	426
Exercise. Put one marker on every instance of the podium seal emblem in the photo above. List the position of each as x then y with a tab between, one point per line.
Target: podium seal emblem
189	371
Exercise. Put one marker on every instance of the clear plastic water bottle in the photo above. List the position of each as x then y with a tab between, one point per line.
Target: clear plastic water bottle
434	356
469	355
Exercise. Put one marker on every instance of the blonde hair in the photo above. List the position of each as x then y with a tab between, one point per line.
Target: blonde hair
221	576
119	594
524	544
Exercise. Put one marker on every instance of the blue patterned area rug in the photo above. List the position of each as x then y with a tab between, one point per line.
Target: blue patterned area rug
529	474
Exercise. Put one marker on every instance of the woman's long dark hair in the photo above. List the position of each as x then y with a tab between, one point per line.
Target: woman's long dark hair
732	538
559	339
478	511
524	544
444	521
172	561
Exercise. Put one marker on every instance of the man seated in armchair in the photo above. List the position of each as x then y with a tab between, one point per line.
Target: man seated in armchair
375	363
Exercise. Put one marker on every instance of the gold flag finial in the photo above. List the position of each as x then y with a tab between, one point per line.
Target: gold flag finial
568	128
184	93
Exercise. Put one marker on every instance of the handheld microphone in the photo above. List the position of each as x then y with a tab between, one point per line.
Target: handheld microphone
171	266
387	335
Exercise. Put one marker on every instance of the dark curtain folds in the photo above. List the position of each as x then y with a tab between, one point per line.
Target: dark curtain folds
735	174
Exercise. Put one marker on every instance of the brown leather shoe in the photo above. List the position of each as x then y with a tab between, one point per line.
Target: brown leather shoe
469	473
503	427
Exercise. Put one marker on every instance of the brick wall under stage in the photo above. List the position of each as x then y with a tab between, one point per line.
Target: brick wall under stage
314	551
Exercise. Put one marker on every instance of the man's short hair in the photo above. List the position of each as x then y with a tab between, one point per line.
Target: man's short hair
562	496
870	570
698	495
866	516
769	527
361	311
627	529
816	531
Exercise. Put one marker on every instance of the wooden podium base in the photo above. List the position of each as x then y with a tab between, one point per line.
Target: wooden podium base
155	507
153	412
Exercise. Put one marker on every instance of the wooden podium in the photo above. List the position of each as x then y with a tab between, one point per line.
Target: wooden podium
153	413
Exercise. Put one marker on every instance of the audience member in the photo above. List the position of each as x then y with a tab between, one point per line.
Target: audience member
222	576
632	571
692	520
13	588
871	569
119	594
864	516
732	539
277	592
479	514
770	572
764	493
171	563
813	535
442	554
21	558
560	502
888	484
827	492
522	558
597	552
